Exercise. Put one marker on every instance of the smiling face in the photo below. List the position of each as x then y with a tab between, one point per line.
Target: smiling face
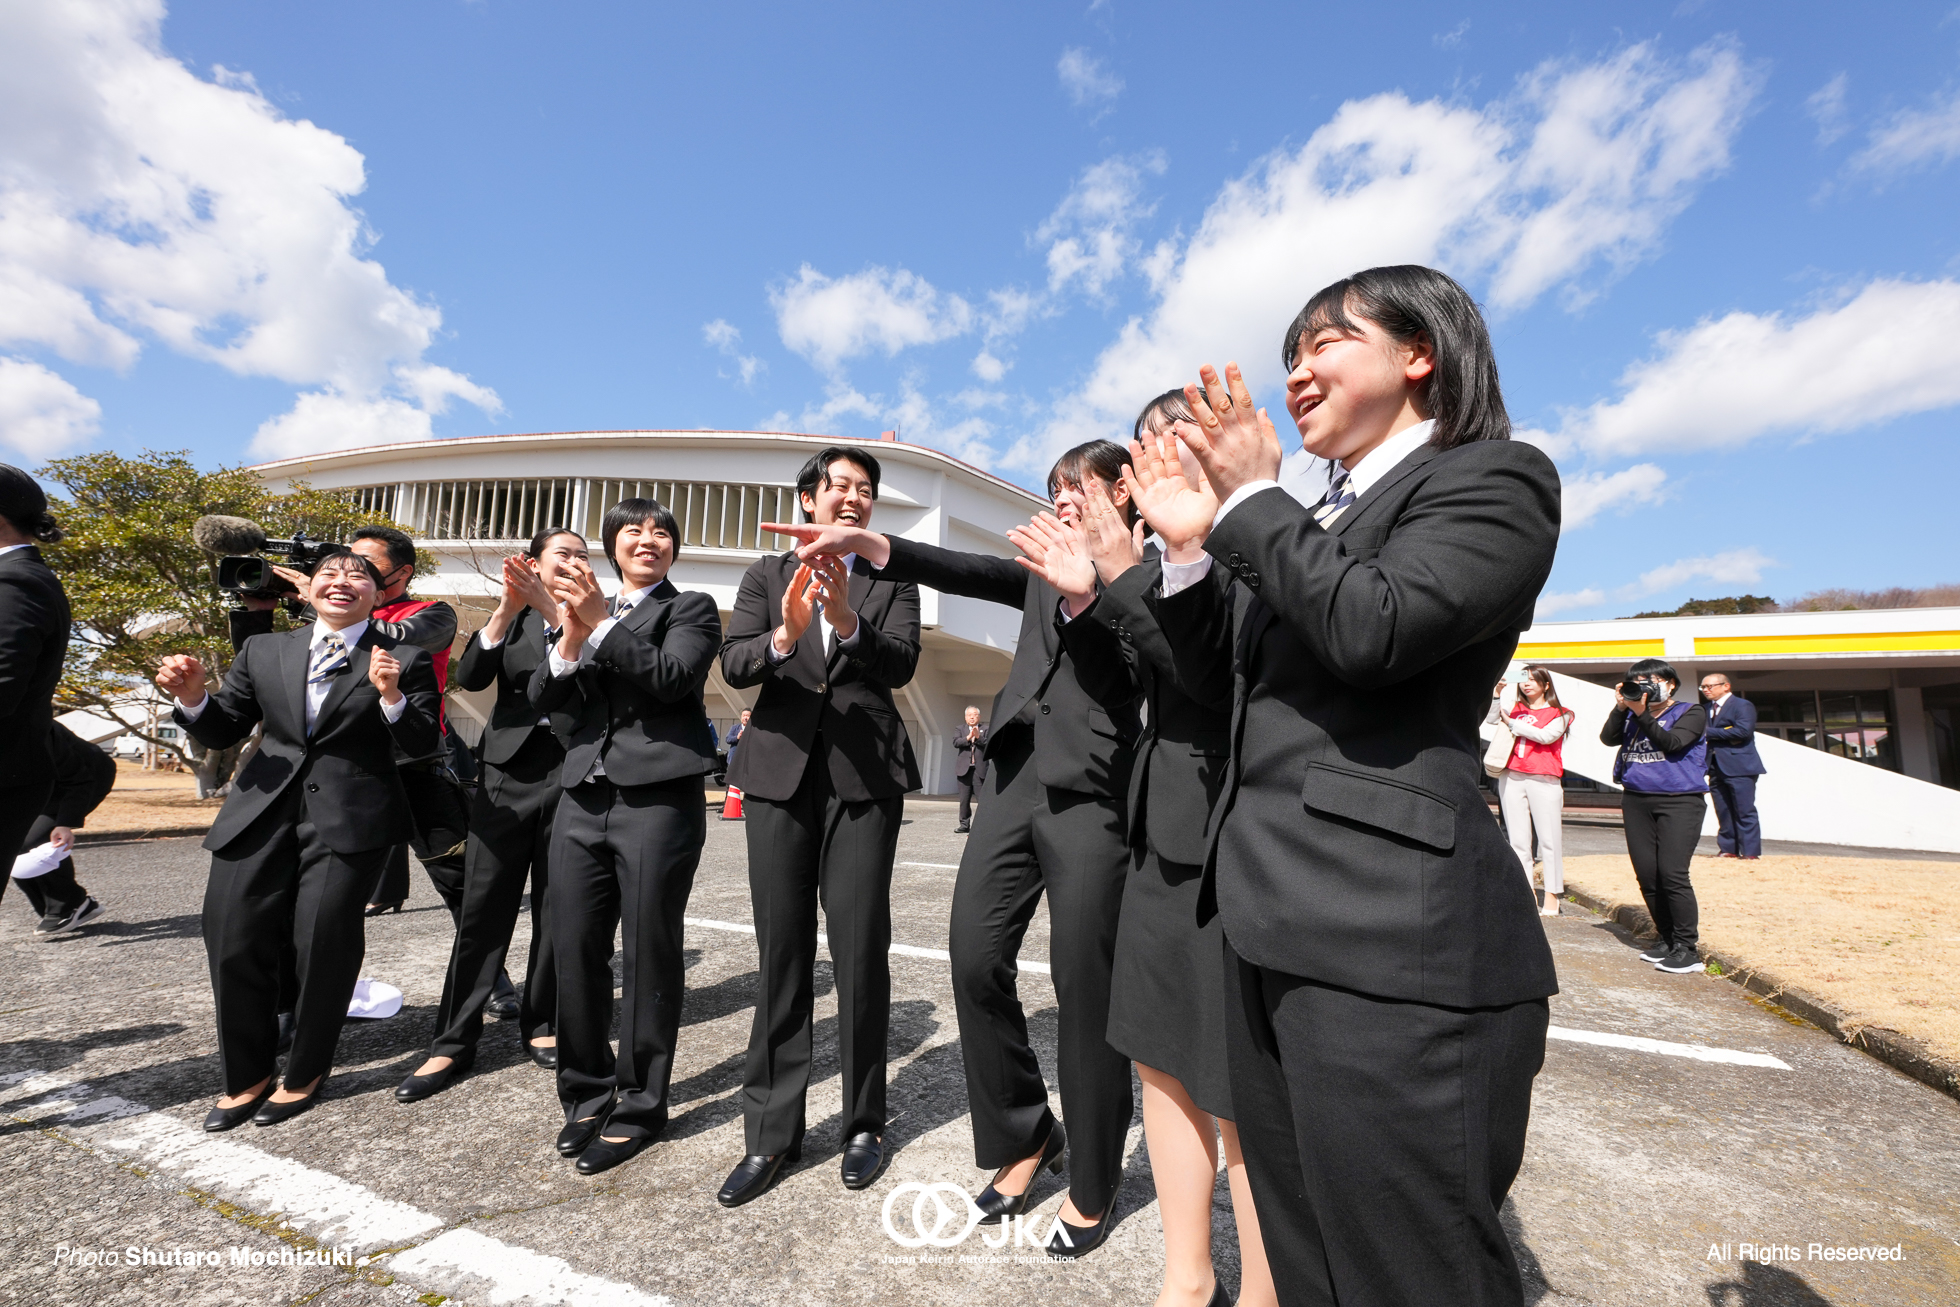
844	496
1072	501
1161	423
558	557
643	551
1349	391
341	591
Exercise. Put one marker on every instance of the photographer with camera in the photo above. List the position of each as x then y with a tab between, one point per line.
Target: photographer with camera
1663	767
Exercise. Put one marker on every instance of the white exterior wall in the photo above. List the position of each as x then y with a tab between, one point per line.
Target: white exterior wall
924	495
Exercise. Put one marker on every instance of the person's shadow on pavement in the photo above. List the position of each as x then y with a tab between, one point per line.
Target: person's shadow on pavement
1765	1285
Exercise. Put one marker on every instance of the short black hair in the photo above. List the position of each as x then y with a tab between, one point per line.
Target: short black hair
333	553
543	538
25	505
1411	302
401	549
817	470
1171	404
632	512
1656	667
1101	459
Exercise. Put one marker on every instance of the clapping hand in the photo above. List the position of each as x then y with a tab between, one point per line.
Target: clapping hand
799	609
386	674
1056	552
1113	547
834	593
1179	509
524	588
1235	443
582	604
182	678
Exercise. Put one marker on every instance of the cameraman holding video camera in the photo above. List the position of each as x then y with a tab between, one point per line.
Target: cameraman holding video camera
1663	767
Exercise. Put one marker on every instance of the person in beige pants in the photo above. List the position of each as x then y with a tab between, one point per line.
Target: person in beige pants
1531	791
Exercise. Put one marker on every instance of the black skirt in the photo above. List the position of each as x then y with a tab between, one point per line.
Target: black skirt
1167	990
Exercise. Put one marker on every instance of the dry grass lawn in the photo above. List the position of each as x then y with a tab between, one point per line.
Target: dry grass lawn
146	801
1880	938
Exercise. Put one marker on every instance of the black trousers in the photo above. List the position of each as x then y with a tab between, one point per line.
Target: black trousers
1032	839
54	893
1380	1138
817	849
623	858
446	873
1741	832
967	784
278	887
1662	831
510	838
20	805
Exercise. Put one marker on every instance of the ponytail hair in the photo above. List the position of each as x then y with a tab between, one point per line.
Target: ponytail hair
25	507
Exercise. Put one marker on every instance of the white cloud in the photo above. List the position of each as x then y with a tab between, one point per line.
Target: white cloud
912	415
1085	79
1914	137
829	320
728	339
1550	605
1736	567
1583	167
1451	39
323	419
41	415
1890	350
1586	497
139	203
1089	233
1826	108
988	368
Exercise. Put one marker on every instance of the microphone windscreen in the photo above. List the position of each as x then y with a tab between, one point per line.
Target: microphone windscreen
218	534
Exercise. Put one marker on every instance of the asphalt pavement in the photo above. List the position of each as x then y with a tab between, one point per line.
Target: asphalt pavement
1689	1144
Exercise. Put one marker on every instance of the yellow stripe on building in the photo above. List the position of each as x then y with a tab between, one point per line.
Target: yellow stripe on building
1591	650
1741	646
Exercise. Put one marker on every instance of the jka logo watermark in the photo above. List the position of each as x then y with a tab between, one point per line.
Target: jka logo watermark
943	1215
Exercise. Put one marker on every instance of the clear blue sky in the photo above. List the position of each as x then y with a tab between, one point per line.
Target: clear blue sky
1717	245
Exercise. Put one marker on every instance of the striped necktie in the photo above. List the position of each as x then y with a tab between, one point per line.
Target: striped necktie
328	659
1340	493
620	606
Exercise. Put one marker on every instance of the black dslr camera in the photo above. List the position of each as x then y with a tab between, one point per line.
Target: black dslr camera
1636	688
239	541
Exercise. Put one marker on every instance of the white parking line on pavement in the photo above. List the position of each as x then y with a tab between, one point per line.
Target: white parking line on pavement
334	1212
903	950
1700	1052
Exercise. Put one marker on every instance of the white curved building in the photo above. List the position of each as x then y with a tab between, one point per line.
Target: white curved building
474	500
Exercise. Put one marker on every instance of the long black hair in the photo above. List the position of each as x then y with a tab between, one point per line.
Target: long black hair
633	512
536	548
24	505
1101	459
1171	404
1410	303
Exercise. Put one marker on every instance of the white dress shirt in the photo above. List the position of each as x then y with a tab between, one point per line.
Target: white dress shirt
831	643
8	549
316	691
1370	469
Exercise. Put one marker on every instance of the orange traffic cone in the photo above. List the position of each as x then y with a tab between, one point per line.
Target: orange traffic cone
731	806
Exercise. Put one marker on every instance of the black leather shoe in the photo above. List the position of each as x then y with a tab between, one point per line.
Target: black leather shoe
1081	1240
753	1176
503	1005
545	1055
380	909
272	1113
603	1154
996	1206
577	1136
962	830
864	1157
226	1118
416	1088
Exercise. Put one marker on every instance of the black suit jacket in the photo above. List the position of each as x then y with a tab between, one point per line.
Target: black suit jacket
1352	844
1070	684
354	794
33	641
1187	735
510	667
973	752
636	705
847	696
83	777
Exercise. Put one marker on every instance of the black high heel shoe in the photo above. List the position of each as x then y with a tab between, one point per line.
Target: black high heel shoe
228	1118
377	909
1081	1240
996	1207
418	1087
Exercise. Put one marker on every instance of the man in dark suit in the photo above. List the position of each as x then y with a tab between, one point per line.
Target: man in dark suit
1064	732
1733	766
1387	999
309	820
971	772
83	777
627	836
33	641
823	769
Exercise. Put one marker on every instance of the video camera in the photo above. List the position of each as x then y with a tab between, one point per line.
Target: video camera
238	540
1636	688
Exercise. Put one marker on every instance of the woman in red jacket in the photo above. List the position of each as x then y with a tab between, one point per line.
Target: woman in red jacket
1532	791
